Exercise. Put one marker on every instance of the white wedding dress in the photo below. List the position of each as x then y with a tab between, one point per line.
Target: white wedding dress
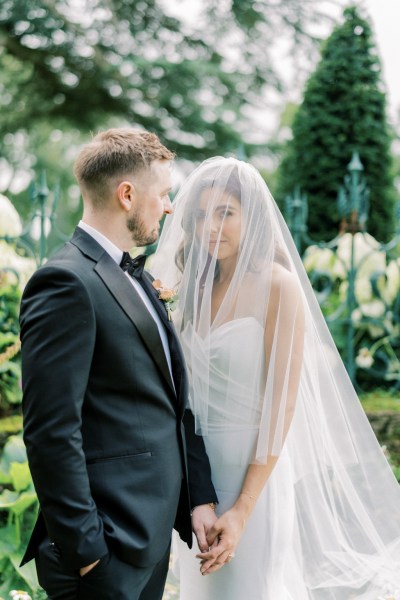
262	568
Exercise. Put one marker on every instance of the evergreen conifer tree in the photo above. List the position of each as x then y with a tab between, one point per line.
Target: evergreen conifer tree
343	110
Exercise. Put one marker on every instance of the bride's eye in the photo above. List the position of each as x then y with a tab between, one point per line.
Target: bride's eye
199	215
225	213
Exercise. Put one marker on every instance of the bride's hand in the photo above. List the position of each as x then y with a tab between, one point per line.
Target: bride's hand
222	539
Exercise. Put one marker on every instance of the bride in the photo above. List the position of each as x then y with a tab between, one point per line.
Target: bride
308	506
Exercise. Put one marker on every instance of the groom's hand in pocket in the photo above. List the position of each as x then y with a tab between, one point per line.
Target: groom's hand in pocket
88	568
203	519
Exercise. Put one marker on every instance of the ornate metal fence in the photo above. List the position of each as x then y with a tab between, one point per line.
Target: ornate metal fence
357	282
22	249
33	241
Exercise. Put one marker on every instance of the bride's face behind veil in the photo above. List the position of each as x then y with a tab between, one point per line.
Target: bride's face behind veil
226	243
219	229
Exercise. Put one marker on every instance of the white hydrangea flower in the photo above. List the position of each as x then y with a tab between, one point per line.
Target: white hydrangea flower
10	222
10	261
391	288
366	252
364	358
374	309
363	289
375	331
356	316
19	595
368	260
317	258
323	259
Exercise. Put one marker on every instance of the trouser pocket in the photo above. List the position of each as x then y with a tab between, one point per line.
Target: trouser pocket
58	583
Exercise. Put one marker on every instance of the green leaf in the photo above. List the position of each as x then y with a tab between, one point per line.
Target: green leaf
24	501
27	572
11	424
14	451
10	580
7	542
20	476
8	499
14	394
11	367
6	339
5	477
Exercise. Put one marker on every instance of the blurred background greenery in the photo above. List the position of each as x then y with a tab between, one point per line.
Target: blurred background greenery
208	87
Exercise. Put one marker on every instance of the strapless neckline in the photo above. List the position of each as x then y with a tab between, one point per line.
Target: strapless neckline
234	322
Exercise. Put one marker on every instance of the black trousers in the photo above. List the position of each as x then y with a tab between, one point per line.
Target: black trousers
110	579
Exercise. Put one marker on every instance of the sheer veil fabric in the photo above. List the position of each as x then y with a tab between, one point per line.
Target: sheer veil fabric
294	394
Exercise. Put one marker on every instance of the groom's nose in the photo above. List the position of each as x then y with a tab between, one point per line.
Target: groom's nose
168	208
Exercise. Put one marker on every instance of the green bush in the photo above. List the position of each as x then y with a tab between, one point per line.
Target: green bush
10	367
343	111
18	510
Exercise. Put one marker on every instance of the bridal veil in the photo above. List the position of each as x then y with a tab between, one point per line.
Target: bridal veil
346	538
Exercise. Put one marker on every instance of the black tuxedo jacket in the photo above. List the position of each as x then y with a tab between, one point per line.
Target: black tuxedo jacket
111	446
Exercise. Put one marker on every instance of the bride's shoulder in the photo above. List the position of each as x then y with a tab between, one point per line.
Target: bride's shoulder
284	280
278	279
278	284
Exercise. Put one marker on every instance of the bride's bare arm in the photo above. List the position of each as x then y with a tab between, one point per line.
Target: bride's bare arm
284	335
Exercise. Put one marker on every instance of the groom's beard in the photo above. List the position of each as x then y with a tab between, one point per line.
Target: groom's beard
140	235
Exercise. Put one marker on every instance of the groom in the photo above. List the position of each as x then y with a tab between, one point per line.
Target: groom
111	446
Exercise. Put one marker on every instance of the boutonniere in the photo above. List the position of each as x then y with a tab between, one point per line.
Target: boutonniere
166	295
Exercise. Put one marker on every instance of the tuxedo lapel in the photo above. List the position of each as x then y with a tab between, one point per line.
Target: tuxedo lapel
175	349
132	304
128	299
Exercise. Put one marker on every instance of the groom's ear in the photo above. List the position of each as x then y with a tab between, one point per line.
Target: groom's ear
126	195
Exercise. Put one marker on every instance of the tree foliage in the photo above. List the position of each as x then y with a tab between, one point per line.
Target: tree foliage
79	63
343	110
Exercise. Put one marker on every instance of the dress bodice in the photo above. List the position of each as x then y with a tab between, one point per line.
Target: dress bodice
227	372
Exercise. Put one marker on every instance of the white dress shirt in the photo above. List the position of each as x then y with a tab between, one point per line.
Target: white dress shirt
116	255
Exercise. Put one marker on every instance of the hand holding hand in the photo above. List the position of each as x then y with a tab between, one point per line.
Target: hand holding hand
222	540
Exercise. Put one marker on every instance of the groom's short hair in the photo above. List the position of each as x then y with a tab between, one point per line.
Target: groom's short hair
114	153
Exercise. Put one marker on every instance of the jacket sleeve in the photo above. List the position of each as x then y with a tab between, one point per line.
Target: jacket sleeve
58	330
201	488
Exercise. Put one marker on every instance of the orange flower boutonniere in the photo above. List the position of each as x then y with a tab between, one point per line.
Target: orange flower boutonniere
166	295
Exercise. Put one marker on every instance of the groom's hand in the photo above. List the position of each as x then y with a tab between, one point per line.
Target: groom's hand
88	568
203	519
222	540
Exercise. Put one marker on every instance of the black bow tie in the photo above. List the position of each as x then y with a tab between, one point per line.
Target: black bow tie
134	266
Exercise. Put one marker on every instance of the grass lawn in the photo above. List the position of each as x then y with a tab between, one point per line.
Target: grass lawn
380	400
